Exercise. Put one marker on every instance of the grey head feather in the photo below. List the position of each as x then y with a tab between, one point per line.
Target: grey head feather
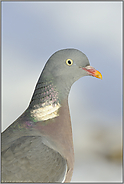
59	75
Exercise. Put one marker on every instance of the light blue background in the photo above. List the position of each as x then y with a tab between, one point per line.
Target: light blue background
31	33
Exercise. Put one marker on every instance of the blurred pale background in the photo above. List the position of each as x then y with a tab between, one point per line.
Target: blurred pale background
31	33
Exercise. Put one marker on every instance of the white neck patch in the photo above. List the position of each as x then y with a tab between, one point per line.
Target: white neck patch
45	112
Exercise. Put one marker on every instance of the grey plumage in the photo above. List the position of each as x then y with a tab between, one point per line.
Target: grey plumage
26	156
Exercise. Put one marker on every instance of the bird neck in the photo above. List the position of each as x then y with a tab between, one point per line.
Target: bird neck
49	92
47	99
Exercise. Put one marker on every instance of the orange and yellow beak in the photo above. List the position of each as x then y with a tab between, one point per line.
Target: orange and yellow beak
92	71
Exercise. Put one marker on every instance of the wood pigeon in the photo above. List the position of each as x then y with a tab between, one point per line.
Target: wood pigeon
38	146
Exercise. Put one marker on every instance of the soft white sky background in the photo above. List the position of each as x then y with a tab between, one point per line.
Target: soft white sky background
31	33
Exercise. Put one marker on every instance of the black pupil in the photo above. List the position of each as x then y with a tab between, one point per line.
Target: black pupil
69	62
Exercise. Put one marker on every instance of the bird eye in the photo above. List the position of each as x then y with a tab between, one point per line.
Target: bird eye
69	62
